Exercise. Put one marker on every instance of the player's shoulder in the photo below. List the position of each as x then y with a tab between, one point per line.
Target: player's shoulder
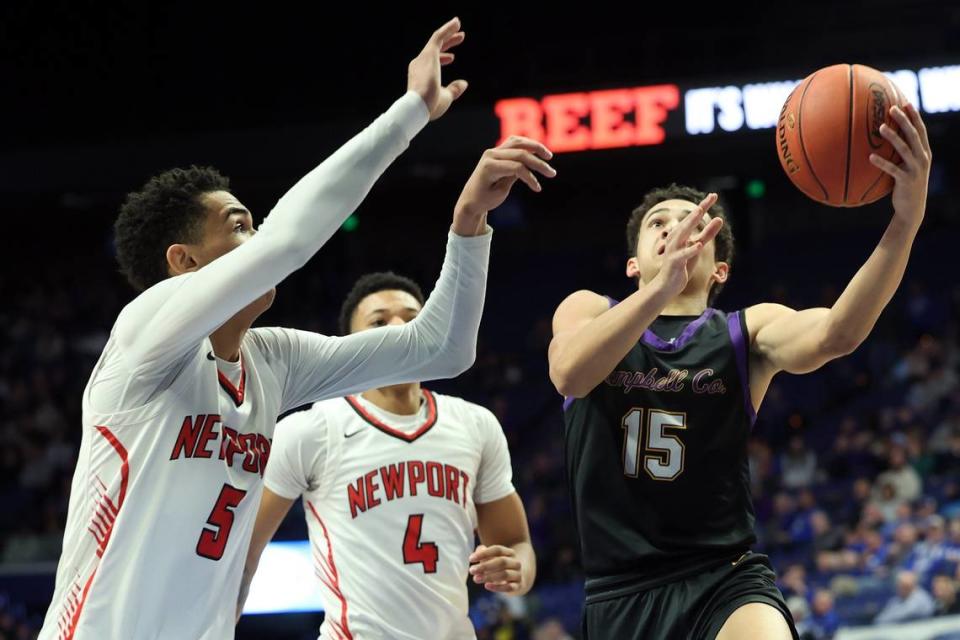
142	308
579	307
269	339
587	299
308	419
760	315
466	410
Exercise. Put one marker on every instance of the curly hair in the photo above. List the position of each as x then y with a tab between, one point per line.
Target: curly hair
372	283
724	242
167	210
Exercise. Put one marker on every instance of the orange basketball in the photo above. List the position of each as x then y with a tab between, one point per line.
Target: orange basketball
829	126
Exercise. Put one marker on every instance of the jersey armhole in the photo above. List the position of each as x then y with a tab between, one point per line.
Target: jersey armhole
740	337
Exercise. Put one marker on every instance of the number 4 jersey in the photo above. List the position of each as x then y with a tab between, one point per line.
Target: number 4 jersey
657	456
390	503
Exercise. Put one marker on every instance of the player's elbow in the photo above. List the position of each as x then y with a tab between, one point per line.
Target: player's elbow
287	246
567	382
454	361
837	344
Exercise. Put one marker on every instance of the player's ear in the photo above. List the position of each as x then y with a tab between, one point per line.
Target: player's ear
721	271
633	268
180	259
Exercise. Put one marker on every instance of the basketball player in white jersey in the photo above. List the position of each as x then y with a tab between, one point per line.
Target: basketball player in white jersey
394	483
179	412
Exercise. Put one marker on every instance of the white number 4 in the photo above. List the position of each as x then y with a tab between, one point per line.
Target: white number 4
664	453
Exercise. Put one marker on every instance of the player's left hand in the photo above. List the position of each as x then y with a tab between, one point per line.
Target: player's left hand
497	568
423	72
913	173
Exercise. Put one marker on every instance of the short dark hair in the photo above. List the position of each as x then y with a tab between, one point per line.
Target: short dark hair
167	210
723	251
373	283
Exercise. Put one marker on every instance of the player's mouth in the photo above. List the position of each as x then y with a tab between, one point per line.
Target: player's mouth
661	249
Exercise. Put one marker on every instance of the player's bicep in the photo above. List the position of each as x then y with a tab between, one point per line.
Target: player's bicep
503	521
787	339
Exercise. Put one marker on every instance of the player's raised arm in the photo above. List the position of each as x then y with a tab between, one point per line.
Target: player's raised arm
441	341
800	341
168	319
590	338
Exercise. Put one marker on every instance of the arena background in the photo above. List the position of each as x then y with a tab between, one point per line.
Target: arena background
96	99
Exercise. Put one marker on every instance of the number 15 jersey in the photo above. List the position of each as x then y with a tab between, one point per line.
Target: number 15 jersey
656	456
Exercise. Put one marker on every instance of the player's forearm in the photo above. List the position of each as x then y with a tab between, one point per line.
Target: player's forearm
853	316
587	357
528	566
301	222
439	343
450	319
248	573
314	208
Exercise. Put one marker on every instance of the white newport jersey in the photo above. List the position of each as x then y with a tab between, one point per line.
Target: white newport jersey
175	441
390	503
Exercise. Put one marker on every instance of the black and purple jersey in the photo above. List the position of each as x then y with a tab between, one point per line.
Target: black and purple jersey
657	455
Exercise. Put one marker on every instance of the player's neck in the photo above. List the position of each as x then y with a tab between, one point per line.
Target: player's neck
226	340
401	399
686	305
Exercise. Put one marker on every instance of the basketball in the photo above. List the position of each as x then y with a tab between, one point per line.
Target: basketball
829	126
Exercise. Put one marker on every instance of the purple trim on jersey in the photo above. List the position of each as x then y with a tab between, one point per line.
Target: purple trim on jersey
660	344
740	349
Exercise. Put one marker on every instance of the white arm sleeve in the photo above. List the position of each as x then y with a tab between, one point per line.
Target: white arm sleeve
298	454
167	320
495	476
439	343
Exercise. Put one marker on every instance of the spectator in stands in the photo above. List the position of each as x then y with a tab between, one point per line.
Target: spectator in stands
911	602
826	537
930	555
551	629
824	615
885	502
793	581
945	594
800	611
904	479
904	538
798	465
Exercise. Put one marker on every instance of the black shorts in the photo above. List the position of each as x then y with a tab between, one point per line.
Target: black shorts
693	608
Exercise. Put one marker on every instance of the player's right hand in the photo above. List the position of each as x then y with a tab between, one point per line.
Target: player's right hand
684	244
517	158
423	73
